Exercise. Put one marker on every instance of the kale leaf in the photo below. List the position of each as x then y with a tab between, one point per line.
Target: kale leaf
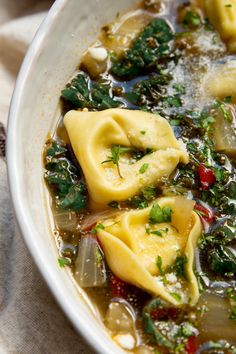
150	46
82	93
63	176
222	260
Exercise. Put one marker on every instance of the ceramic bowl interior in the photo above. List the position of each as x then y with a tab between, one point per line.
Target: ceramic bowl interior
70	27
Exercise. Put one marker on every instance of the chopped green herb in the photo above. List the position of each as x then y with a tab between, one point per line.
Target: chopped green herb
143	132
175	122
173	101
116	151
179	266
159	265
138	202
228	5
144	168
192	20
98	256
98	227
159	232
176	296
187	329
224	110
149	192
179	88
64	261
159	215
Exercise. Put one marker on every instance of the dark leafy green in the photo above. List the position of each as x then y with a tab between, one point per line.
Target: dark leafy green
222	260
82	93
152	44
63	175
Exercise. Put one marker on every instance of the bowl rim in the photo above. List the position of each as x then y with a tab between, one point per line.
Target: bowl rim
36	47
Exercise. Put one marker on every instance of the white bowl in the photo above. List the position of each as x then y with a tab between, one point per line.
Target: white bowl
69	28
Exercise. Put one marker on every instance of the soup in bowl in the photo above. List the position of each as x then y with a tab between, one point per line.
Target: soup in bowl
140	169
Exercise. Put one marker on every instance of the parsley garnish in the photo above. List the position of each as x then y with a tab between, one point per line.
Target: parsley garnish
179	88
224	110
192	20
116	151
179	266
159	265
144	168
97	227
159	215
98	257
173	101
176	296
64	261
159	232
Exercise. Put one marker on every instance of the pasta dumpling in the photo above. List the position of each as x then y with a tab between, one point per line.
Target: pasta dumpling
220	81
144	254
103	143
222	14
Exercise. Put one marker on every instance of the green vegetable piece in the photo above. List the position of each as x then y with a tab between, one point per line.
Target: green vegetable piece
81	93
161	339
149	193
179	266
76	198
63	262
116	151
159	265
138	202
152	44
144	168
159	232
176	296
55	150
173	101
98	227
192	20
159	215
222	260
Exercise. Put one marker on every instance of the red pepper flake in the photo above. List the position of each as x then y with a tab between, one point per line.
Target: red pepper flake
192	345
205	214
207	177
118	287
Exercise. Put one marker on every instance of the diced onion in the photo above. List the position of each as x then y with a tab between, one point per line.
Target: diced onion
224	133
89	266
215	323
90	220
65	220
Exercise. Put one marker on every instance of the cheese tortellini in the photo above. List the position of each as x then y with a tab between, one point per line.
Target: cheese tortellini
220	81
93	134
222	14
133	248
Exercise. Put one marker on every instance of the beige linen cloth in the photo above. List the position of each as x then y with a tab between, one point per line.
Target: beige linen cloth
30	319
